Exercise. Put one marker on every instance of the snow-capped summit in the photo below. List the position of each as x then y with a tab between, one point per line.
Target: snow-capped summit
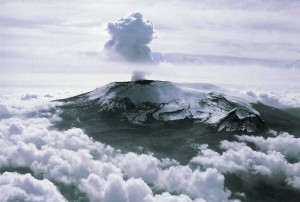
148	101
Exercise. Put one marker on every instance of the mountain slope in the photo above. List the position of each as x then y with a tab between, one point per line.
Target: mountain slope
148	102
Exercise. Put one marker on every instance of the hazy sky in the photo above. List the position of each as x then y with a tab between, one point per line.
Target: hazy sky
51	38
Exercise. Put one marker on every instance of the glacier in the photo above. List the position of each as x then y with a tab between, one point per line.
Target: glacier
150	102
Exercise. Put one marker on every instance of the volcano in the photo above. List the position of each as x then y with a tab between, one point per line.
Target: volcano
148	102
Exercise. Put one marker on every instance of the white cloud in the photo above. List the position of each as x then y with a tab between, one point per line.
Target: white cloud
270	99
4	112
139	166
17	187
137	190
29	96
284	143
167	197
268	165
114	189
98	170
15	128
294	182
207	184
130	36
197	184
133	190
71	157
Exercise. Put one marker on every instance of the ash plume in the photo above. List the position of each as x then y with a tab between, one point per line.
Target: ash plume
129	38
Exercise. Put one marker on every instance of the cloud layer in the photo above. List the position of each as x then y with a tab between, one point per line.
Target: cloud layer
71	157
100	171
129	38
17	187
270	164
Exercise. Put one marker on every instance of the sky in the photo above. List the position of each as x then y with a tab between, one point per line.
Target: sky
61	43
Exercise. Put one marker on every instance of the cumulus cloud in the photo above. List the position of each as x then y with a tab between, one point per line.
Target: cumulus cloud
129	38
71	157
206	185
17	187
15	128
100	171
269	164
277	98
29	97
4	112
284	143
270	100
133	190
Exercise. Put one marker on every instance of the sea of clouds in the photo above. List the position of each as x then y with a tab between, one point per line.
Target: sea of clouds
28	139
71	157
274	160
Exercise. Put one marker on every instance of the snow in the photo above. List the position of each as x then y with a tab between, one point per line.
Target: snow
173	101
242	113
162	92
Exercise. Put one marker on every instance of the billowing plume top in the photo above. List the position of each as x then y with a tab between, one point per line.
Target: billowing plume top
131	30
129	38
